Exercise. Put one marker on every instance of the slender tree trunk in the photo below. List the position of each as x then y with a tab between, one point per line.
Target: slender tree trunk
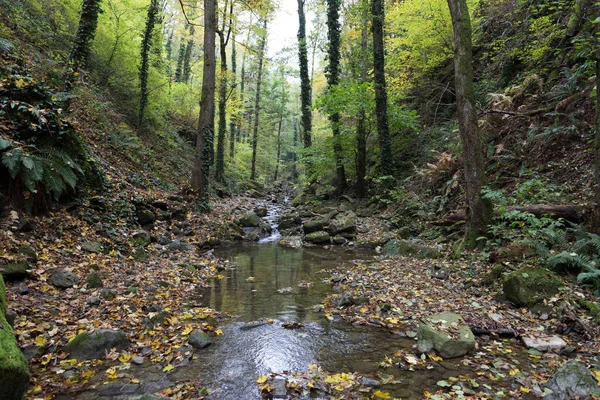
187	58
145	55
479	211
385	143
305	89
294	155
333	76
223	41
206	124
596	210
88	22
238	136
278	147
233	121
361	129
179	68
261	56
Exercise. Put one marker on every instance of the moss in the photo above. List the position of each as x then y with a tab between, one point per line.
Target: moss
592	307
2	296
529	286
493	275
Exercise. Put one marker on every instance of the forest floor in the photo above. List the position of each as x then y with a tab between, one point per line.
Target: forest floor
147	289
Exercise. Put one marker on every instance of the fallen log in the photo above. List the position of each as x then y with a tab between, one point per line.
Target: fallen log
570	212
501	332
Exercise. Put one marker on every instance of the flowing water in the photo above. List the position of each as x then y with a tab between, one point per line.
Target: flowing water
264	285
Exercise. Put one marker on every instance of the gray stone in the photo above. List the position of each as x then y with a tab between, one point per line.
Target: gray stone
93	301
250	220
447	333
15	271
199	339
318	237
93	281
63	279
260	211
528	286
314	225
288	221
279	389
138	360
410	248
572	380
140	254
177	245
165	239
544	344
339	240
87	346
141	238
108	294
92	247
115	389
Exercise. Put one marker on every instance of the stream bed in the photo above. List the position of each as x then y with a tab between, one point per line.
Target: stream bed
264	285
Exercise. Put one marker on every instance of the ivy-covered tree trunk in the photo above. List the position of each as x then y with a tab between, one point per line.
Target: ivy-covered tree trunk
187	58
261	56
333	74
145	55
88	22
223	41
277	161
479	210
596	43
206	123
305	89
383	130
234	118
238	136
294	155
361	128
179	68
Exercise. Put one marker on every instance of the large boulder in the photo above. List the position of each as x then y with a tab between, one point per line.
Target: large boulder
411	249
320	237
63	279
145	217
15	270
250	220
87	346
14	370
92	247
314	225
141	238
447	333
572	381
528	286
345	225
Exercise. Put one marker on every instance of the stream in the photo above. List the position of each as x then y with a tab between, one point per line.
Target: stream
250	348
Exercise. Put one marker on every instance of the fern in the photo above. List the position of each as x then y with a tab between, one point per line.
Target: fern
568	262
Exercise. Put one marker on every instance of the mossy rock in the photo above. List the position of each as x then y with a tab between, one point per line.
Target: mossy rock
250	220
447	333
94	281
92	247
28	251
140	254
528	286
15	271
493	275
141	238
314	226
410	248
320	237
288	221
87	346
14	370
347	225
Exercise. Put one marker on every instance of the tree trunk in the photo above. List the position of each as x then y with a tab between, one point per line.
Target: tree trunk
187	58
305	89
361	129
596	211
333	74
238	136
261	56
479	211
278	147
180	57
223	41
294	155
145	51
385	143
206	123
88	22
233	121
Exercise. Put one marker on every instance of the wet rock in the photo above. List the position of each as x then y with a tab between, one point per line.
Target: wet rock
544	343
141	238
160	204
288	221
366	381
199	339
344	300
145	217
260	211
93	281
314	226
410	248
250	220
447	333
87	346
339	240
32	351
137	360
528	286
92	247
177	245
253	324
572	380
279	390
15	271
320	237
63	279
293	242
115	389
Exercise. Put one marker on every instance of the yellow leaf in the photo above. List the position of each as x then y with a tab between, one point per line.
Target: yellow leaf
188	329
125	357
434	357
270	320
524	389
219	332
46	359
40	341
135	380
378	394
111	373
596	373
513	372
262	379
168	368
